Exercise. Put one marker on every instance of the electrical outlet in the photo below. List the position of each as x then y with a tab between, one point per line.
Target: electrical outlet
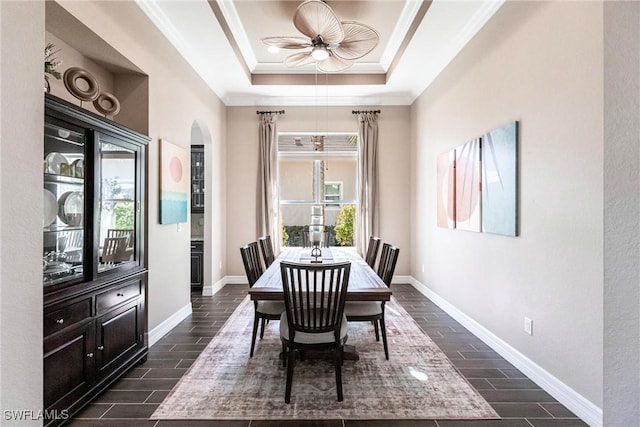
528	326
423	268
179	227
220	265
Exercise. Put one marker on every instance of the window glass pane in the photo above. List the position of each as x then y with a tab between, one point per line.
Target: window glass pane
63	220
296	179
117	206
315	170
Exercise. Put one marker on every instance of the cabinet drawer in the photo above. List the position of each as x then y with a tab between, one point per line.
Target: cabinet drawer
64	317
114	297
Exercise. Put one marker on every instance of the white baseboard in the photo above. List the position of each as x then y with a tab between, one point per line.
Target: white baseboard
210	290
236	280
171	322
402	280
583	408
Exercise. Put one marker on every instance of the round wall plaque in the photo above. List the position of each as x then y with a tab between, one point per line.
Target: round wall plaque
107	104
71	77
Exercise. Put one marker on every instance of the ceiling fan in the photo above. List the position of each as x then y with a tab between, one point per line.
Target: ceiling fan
332	44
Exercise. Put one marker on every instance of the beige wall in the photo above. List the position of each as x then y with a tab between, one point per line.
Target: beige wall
541	64
621	213
242	163
21	205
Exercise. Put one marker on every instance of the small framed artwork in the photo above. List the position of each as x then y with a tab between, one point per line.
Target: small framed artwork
174	183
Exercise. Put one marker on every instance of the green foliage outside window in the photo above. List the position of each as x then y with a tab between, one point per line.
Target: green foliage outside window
124	215
345	224
283	233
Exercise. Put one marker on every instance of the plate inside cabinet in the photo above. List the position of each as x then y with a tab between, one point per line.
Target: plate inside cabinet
71	208
78	168
54	160
50	208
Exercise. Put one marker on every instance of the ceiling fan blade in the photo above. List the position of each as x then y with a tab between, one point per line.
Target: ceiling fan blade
359	40
315	18
299	59
293	42
333	64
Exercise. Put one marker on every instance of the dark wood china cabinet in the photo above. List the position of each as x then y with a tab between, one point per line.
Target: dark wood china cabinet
93	259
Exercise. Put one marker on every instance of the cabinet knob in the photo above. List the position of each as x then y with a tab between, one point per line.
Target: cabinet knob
120	294
101	347
89	354
59	321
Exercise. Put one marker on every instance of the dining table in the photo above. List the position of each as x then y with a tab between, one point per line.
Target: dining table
364	282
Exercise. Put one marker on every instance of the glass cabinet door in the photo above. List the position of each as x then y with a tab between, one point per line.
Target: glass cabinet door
63	216
117	206
197	178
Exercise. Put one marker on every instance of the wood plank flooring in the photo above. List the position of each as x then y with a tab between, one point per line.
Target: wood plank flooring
131	400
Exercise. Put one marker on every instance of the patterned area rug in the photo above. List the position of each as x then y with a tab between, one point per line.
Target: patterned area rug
417	382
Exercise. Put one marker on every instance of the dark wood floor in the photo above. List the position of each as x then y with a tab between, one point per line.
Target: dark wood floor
131	400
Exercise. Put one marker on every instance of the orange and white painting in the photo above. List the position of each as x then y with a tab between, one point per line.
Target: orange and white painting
468	173
446	182
174	183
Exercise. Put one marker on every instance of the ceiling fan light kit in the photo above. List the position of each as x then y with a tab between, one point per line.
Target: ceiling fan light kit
331	44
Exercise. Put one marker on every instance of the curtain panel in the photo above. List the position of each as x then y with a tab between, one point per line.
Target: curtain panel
367	218
266	206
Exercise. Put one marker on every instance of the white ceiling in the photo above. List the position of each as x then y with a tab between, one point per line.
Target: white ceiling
221	41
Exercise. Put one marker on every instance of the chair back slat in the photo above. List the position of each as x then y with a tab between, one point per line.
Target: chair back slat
387	265
266	247
372	251
314	296
251	260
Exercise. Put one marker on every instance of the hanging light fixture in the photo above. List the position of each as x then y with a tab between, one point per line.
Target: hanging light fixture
320	52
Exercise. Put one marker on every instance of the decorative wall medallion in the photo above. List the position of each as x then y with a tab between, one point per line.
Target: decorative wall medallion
107	104
71	77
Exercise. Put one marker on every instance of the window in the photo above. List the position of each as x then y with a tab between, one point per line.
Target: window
314	170
332	192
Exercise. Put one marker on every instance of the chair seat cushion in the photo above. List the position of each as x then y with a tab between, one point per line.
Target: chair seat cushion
308	338
270	307
362	308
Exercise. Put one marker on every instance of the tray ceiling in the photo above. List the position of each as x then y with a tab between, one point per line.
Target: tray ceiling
221	41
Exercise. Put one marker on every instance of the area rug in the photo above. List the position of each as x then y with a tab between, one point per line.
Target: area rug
417	382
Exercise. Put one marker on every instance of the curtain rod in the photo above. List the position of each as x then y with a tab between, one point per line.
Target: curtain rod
368	111
269	112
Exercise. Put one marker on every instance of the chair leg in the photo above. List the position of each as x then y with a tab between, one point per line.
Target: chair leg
256	319
384	336
287	391
338	363
375	326
284	355
262	328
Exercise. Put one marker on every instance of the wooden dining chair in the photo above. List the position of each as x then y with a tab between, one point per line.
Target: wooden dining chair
266	247
114	250
263	310
314	298
373	311
372	251
325	238
304	234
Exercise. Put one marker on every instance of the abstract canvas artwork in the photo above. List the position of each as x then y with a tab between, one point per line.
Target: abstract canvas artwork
477	184
174	183
468	214
500	180
447	189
